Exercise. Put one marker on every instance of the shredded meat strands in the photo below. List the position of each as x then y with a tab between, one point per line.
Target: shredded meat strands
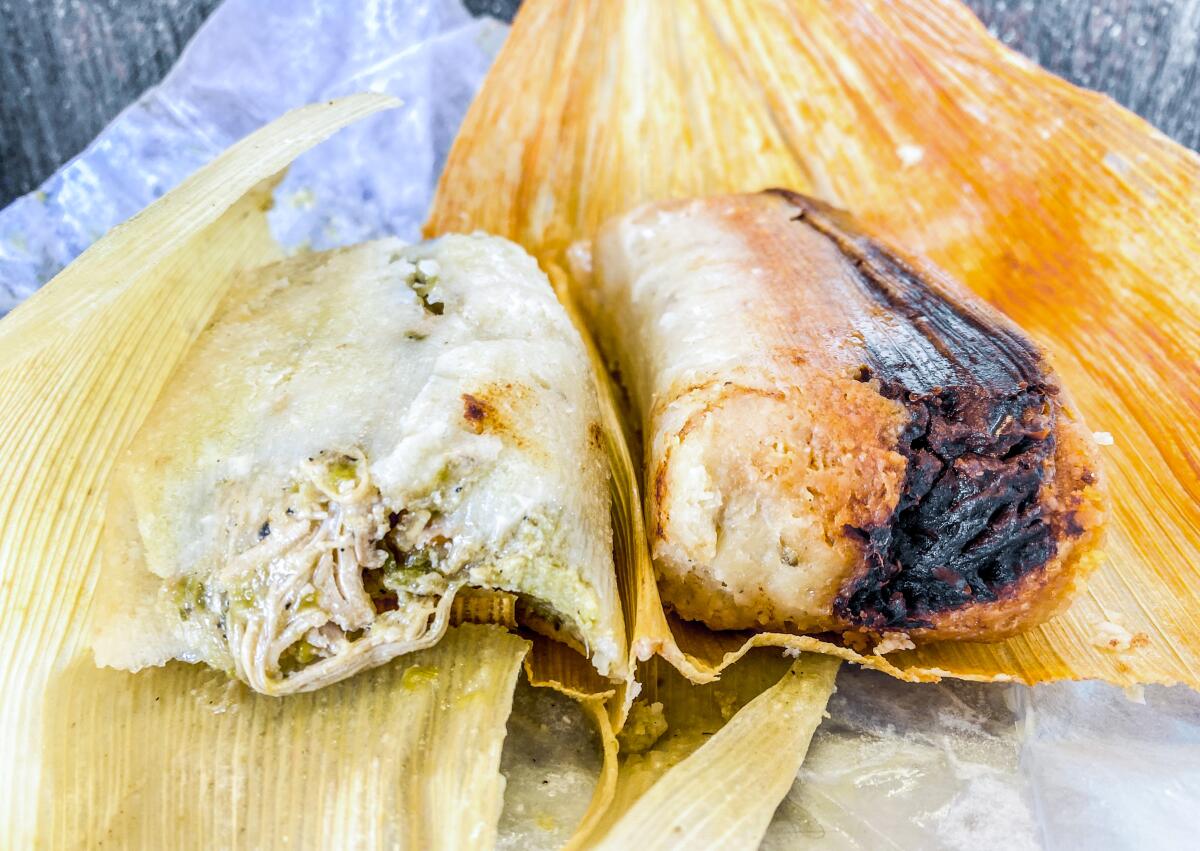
312	594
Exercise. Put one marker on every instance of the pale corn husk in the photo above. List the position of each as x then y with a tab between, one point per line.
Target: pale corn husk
1070	214
178	756
81	362
717	781
402	756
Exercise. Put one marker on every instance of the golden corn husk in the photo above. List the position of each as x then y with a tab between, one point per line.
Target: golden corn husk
1068	213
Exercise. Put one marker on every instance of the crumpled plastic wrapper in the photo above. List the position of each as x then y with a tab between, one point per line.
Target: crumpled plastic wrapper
955	765
250	63
962	765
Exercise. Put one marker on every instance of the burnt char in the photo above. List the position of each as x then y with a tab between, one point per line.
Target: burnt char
979	443
969	523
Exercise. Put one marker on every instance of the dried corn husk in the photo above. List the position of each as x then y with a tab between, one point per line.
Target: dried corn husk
717	779
402	756
1070	214
179	756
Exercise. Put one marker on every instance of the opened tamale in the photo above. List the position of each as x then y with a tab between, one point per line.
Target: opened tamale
1072	216
134	384
358	436
837	439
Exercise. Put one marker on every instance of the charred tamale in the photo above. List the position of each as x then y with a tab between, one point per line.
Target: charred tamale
836	437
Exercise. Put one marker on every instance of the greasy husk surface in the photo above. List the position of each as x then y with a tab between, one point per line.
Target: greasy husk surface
172	756
1071	215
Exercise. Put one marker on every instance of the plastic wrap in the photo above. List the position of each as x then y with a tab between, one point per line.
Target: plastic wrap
954	765
249	64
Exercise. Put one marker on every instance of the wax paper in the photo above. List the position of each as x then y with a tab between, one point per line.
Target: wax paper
955	765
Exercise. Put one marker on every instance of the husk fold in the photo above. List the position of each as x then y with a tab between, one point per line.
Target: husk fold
1068	213
730	753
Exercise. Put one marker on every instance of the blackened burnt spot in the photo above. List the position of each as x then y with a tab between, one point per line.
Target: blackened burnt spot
969	523
979	440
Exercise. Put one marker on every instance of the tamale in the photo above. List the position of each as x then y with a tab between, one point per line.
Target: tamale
1072	216
85	364
837	439
357	436
89	366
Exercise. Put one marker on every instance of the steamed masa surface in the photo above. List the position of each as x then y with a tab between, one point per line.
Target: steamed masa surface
356	436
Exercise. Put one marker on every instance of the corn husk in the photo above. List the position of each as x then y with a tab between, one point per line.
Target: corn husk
402	756
1070	214
714	779
180	756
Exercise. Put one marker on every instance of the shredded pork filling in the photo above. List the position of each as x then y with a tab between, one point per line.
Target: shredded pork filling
338	581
